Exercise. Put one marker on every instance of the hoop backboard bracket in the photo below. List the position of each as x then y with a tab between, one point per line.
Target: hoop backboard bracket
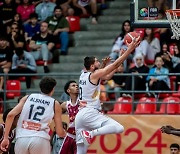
142	15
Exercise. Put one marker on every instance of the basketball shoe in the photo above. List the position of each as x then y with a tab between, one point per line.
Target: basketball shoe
86	137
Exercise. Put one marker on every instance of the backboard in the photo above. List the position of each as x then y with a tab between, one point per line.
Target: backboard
151	13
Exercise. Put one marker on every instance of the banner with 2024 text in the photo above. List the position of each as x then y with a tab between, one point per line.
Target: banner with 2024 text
142	135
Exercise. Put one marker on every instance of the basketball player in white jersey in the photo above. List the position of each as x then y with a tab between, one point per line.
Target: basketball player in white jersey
89	121
36	113
71	106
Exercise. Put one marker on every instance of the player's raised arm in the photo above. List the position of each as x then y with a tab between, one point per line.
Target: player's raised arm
58	120
108	69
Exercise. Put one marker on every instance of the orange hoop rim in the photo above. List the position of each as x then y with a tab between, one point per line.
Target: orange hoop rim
171	11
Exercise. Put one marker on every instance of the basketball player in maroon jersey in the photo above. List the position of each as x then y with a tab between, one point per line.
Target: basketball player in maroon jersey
2	126
71	106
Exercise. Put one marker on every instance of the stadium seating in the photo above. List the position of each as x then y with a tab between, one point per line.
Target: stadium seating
146	105
41	62
170	106
13	88
1	105
74	23
172	82
177	94
139	95
163	95
123	105
171	48
140	31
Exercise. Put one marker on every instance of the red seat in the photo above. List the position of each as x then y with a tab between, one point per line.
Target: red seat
177	94
138	96
146	105
170	105
140	31
74	23
41	62
171	48
123	106
13	87
149	62
172	81
163	95
1	105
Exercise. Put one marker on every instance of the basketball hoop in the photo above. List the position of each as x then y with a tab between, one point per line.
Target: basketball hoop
173	17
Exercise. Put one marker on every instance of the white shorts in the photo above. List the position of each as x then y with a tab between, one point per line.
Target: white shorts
32	145
88	119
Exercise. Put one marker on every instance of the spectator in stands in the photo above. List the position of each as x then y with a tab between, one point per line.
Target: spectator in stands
165	56
45	9
7	11
117	82
175	59
23	62
17	39
174	148
139	80
65	5
25	9
149	45
31	28
156	81
59	27
17	20
6	54
82	7
119	45
42	44
119	41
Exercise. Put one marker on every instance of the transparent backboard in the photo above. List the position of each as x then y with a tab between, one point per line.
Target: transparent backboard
151	13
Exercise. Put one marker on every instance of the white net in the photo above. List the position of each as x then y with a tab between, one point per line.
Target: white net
174	21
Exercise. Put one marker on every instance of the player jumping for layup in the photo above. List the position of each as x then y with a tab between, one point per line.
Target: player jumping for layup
89	121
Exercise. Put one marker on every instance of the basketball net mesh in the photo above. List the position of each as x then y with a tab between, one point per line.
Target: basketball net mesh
174	23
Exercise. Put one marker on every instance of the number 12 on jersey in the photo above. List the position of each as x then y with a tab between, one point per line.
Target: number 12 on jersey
39	111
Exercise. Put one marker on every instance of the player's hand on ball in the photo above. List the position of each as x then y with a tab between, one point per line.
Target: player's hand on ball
135	43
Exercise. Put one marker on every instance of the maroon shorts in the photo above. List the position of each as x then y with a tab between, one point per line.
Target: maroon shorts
68	146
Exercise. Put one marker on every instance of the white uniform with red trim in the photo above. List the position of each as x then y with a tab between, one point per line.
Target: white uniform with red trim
89	92
36	115
88	117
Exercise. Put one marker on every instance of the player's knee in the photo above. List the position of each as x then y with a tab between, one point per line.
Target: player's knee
119	129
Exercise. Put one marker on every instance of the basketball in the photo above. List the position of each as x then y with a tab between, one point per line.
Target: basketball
130	36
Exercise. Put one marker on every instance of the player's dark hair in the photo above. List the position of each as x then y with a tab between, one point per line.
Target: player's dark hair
67	86
175	145
5	114
88	61
47	84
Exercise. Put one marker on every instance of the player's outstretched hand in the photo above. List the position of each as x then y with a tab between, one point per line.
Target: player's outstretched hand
135	43
4	145
166	129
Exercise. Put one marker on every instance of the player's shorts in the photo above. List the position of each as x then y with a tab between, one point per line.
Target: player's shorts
27	145
88	119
